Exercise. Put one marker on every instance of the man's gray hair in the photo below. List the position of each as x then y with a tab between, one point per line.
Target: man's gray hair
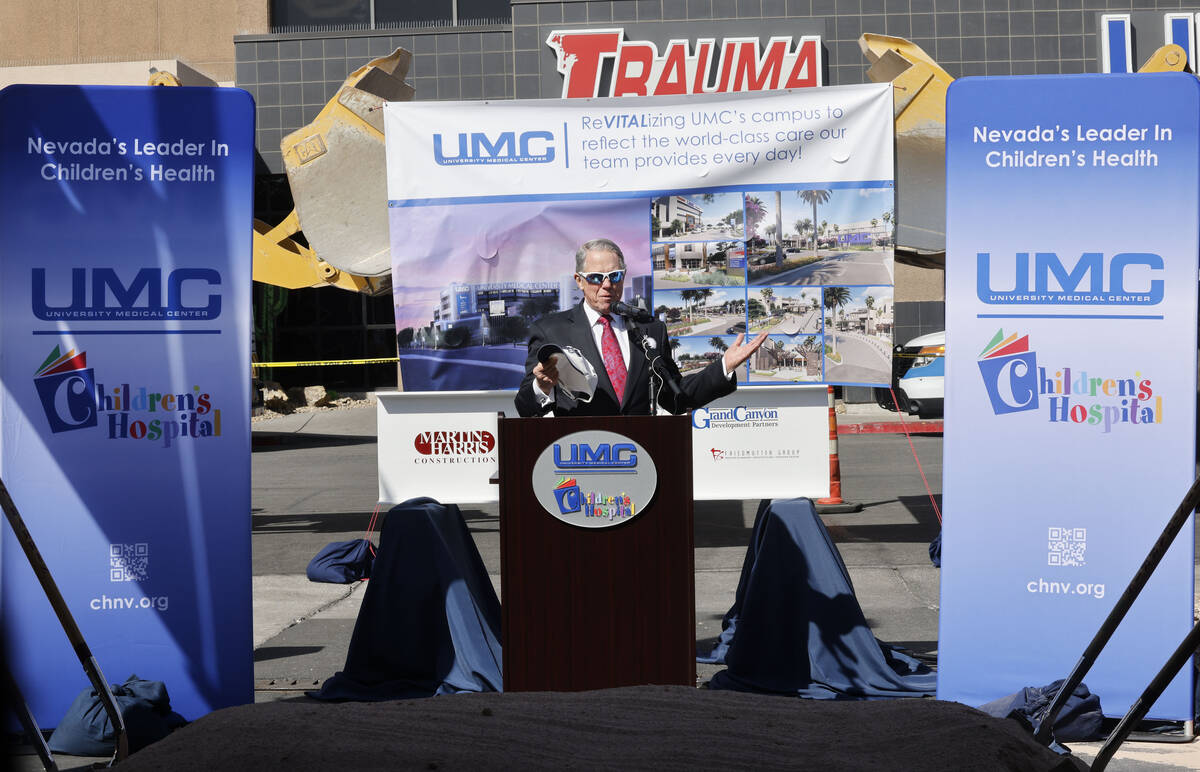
598	245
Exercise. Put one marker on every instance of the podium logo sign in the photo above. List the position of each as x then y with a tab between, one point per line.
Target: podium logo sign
594	479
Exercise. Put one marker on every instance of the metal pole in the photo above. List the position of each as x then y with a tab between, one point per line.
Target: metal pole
1137	711
1109	626
59	604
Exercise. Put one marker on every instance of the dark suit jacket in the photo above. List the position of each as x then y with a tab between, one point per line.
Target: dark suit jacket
570	328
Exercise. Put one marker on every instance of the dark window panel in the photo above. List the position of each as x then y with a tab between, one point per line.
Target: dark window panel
400	11
294	13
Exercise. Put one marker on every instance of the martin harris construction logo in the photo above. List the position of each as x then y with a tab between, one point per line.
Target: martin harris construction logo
1070	394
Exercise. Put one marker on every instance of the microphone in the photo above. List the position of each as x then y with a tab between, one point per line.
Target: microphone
636	313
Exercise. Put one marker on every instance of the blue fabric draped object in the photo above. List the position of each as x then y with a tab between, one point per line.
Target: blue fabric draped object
1080	719
430	619
342	562
795	626
86	729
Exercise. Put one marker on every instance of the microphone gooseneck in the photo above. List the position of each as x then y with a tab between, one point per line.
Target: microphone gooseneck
636	313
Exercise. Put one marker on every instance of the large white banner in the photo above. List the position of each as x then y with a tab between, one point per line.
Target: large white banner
1070	380
754	443
471	151
737	213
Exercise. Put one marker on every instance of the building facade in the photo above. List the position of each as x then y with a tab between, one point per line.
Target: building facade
292	56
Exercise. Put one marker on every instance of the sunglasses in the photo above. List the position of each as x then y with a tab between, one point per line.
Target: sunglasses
598	278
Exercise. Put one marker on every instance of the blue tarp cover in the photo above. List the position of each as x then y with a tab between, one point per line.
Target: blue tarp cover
430	619
796	627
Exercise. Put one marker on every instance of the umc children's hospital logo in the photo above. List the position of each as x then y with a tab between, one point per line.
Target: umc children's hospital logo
72	399
1015	383
594	479
66	387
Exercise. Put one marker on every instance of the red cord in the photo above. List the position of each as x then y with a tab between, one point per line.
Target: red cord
920	469
374	518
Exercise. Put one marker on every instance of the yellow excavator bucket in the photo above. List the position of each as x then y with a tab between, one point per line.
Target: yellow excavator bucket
336	168
1168	58
337	172
919	97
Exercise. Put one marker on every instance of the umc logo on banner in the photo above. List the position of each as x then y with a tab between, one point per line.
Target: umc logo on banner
1126	278
1009	371
507	147
66	387
99	294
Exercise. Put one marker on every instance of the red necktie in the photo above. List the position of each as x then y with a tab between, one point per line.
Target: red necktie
614	363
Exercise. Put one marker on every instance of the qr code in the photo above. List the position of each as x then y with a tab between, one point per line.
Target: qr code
128	562
1067	546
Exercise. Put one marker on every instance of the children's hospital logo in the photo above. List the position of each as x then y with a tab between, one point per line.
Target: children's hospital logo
66	387
1009	371
72	399
1069	395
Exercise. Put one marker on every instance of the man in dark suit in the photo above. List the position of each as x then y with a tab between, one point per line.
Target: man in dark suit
607	341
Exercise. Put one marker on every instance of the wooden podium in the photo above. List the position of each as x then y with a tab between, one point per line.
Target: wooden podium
592	608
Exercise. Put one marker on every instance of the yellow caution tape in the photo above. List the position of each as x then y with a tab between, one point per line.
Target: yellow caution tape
379	360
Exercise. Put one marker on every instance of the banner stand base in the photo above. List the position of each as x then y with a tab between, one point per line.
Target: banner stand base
837	509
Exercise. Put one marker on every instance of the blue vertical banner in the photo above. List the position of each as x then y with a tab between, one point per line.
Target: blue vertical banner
125	285
1070	379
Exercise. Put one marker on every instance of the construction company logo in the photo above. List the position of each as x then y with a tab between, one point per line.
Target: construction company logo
1125	279
72	399
755	454
594	479
505	147
100	294
740	417
454	447
591	59
1016	383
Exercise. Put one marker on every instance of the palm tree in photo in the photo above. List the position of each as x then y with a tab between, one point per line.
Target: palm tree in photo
814	197
718	343
770	231
802	225
835	298
887	222
689	299
778	227
755	212
767	293
703	294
